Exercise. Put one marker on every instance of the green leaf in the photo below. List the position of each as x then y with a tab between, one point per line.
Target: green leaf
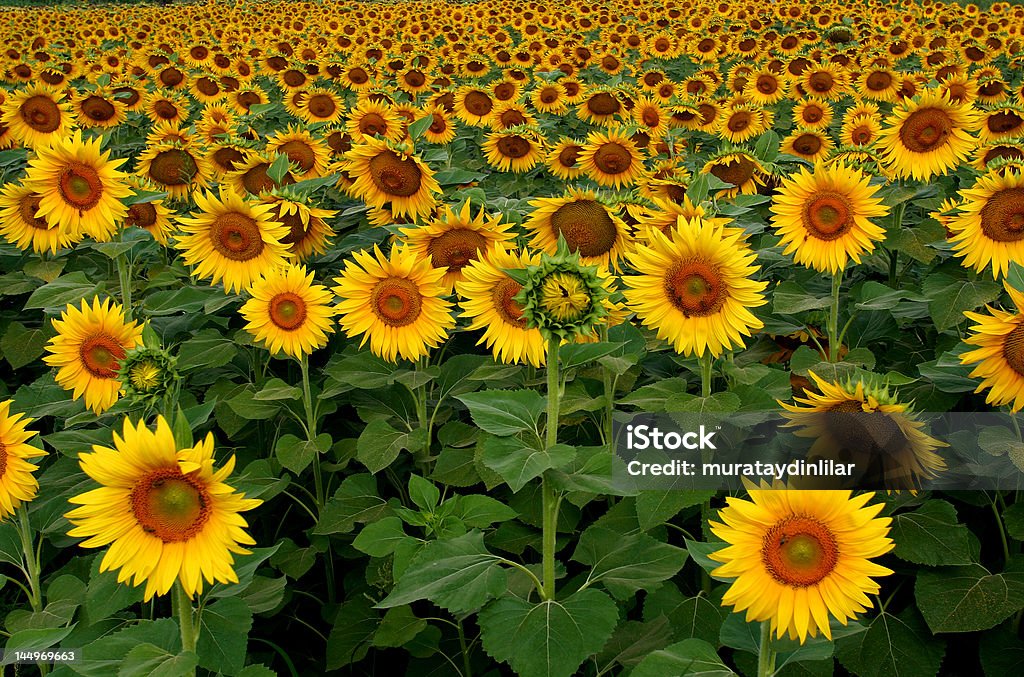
633	640
626	564
1013	518
950	297
423	493
456	574
362	370
245	405
517	463
209	349
476	510
356	500
417	128
877	296
296	454
652	398
105	596
689	616
70	288
578	354
655	507
140	196
21	346
893	646
398	627
224	635
1002	652
380	538
723	402
699	551
551	638
789	298
149	660
931	535
968	598
379	445
278	168
689	658
504	412
34	640
104	656
276	389
354	626
1015	276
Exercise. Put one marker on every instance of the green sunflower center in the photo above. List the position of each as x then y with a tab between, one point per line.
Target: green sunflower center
799	551
564	296
171	506
144	376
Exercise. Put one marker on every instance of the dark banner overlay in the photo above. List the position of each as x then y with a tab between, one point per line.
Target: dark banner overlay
819	450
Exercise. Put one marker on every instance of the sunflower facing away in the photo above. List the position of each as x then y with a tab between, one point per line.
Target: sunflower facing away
231	239
79	187
287	312
863	422
799	557
166	513
989	229
17	483
396	303
489	303
695	287
89	345
927	137
998	340
824	217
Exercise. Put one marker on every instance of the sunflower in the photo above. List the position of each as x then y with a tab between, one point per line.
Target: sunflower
454	239
513	150
586	225
308	231
383	173
563	159
825	82
231	239
998	338
808	144
166	107
99	109
813	113
862	422
739	168
310	155
488	295
1003	122
167	514
321	105
395	303
510	114
694	287
152	216
80	188
742	122
251	176
175	168
473	105
989	229
89	344
20	226
371	118
550	97
878	84
441	130
998	154
800	556
288	313
765	88
824	217
17	483
600	106
653	118
611	159
927	137
859	130
36	116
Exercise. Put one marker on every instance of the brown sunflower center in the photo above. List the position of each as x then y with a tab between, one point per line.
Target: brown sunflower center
373	123
1002	217
812	113
503	298
862	135
549	95
28	206
603	103
650	117
255	180
613	158
926	129
100	355
512	118
478	103
142	214
807	144
767	84
1008	152
855	429
321	106
513	147
799	551
415	78
358	75
227	157
1004	122
171	506
287	311
821	81
396	301
454	249
567	156
174	167
41	113
737	171
294	78
1013	349
165	110
80	185
300	153
696	287
828	216
739	121
879	81
97	108
236	236
395	175
586	226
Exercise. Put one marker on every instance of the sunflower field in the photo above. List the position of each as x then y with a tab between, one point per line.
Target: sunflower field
321	321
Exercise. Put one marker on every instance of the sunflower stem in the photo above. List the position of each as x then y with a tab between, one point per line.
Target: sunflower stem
707	364
766	654
185	621
420	395
318	482
833	318
550	498
1002	531
609	395
32	568
124	275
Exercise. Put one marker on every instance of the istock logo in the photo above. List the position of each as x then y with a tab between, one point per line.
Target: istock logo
642	437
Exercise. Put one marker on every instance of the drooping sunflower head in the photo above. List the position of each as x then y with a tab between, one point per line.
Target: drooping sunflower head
17	483
824	217
739	168
166	512
175	168
309	234
587	226
563	159
798	557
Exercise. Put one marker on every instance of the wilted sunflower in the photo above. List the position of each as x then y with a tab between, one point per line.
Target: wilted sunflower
611	159
824	217
167	514
80	188
927	137
695	288
999	353
800	556
488	301
989	229
89	344
384	173
514	150
308	231
863	422
396	303
586	225
288	312
36	116
20	226
17	483
454	239
231	239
